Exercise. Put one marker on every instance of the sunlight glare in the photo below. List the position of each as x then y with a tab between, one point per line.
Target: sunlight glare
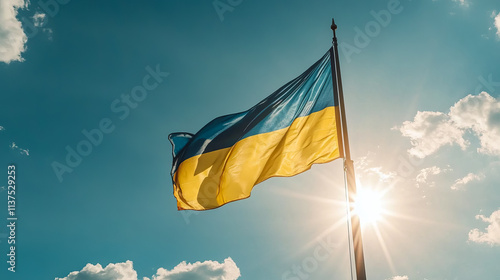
368	205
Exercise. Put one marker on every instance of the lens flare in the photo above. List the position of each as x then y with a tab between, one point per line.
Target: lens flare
369	206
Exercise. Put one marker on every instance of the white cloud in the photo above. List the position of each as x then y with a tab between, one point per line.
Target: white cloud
383	176
463	3
496	23
492	234
365	168
1	128
39	19
425	174
399	278
465	180
12	36
479	114
13	146
429	131
207	270
119	271
49	32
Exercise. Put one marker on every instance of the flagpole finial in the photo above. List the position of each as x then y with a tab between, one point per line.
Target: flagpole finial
334	26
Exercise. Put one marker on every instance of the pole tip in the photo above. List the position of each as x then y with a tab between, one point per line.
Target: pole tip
334	26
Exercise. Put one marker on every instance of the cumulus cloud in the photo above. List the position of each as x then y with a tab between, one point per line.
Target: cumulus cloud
207	270
496	23
425	174
399	278
1	128
479	114
491	235
119	271
22	151
12	36
465	180
429	131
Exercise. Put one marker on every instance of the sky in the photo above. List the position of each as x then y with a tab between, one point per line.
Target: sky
90	90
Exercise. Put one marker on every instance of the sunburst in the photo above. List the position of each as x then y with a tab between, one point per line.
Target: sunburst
369	205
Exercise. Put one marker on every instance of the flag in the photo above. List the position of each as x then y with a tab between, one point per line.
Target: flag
283	135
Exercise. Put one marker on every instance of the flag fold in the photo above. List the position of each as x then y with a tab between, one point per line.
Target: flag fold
283	135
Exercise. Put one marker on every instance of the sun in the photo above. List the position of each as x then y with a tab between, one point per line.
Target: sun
369	206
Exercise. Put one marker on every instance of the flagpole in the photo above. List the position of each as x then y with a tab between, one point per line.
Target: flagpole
349	168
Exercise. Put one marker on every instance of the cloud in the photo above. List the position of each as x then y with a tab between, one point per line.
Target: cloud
119	271
465	180
14	146
207	270
39	19
463	3
479	114
429	131
424	174
492	234
496	23
12	36
364	166
22	151
383	176
399	278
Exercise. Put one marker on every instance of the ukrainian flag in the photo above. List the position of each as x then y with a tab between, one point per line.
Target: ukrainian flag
283	135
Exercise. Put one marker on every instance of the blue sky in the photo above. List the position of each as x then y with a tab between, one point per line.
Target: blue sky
421	84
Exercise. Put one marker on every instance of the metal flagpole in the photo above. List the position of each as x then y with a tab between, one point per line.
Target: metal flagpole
349	169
